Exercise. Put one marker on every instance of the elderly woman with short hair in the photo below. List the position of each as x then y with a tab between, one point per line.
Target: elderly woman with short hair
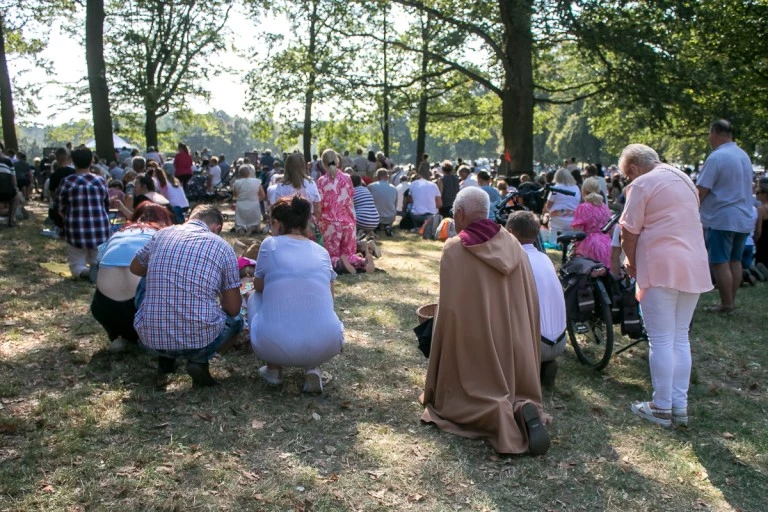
561	207
663	240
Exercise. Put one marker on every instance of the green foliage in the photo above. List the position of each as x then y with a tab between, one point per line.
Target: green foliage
157	51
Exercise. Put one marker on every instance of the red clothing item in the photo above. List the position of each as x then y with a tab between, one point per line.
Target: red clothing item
182	164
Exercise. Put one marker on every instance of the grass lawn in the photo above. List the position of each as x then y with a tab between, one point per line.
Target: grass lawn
81	429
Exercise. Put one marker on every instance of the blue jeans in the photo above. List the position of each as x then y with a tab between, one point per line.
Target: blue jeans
233	325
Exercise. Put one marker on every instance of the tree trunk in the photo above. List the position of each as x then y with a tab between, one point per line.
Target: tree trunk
421	131
308	99
150	127
6	96
385	102
97	78
517	95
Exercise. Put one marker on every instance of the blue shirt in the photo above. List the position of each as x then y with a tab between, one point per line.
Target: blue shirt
495	196
121	247
727	174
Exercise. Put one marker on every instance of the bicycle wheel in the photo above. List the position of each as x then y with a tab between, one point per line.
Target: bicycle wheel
593	340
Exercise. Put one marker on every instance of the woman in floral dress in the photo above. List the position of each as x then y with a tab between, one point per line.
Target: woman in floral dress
337	217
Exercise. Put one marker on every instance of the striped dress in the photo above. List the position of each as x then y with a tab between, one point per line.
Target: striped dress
366	214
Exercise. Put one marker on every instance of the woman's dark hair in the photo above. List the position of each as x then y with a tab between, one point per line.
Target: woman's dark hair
147	181
576	173
371	156
116	184
150	215
292	213
356	180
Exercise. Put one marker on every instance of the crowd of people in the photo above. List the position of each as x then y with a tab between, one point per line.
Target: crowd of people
166	281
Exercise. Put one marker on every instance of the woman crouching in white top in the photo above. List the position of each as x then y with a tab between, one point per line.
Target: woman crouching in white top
291	310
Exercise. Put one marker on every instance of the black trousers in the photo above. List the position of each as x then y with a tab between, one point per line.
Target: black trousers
115	316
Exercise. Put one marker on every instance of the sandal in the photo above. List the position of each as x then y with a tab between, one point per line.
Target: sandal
650	412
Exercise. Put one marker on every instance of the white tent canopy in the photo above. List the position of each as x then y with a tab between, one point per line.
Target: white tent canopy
118	142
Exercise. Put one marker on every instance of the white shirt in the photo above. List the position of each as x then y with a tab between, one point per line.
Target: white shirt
564	202
471	181
176	196
551	299
308	191
215	174
424	193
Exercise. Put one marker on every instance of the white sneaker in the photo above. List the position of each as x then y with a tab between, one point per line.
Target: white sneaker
118	345
313	382
273	376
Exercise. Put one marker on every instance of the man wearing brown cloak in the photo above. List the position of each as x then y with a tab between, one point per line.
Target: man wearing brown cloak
483	375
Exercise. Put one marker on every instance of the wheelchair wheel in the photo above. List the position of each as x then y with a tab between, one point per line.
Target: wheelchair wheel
593	340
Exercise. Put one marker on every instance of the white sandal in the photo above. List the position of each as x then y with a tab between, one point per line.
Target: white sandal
650	412
680	416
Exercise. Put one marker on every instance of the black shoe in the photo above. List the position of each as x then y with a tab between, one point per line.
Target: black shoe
388	230
538	437
165	367
201	377
548	374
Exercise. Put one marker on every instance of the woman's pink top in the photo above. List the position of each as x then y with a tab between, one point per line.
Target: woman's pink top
663	209
182	164
591	219
337	195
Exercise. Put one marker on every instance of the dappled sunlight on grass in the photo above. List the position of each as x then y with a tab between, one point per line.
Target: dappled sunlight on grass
83	429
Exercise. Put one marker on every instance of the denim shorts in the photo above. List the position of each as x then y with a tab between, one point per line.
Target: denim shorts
232	327
725	246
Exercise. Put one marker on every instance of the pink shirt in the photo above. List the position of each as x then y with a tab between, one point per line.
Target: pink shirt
663	208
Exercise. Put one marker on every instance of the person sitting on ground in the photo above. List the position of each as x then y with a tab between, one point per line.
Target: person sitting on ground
402	191
366	215
292	268
214	175
337	216
385	197
525	227
248	193
590	217
113	302
483	375
83	202
177	199
189	304
425	197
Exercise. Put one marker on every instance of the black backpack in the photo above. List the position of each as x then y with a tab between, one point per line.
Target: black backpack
577	289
